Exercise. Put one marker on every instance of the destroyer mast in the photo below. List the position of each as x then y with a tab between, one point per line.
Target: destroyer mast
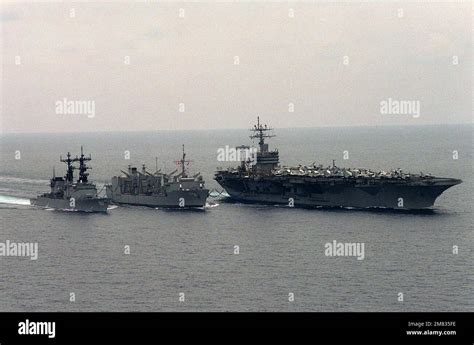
83	174
67	194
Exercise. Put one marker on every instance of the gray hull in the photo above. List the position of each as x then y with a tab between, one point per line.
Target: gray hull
173	199
336	192
81	205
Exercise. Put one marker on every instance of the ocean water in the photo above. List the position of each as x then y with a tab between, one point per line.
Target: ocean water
281	250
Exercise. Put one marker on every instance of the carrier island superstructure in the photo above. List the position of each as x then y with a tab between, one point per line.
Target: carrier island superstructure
266	181
158	189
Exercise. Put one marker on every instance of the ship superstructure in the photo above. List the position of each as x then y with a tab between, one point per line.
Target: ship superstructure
266	181
67	194
158	189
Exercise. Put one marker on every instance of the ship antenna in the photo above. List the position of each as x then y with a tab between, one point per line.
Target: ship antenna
260	133
70	168
182	162
82	166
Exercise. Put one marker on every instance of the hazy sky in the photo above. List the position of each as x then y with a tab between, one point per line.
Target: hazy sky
227	62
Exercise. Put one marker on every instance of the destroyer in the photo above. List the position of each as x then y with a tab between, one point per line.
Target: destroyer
318	186
73	196
158	189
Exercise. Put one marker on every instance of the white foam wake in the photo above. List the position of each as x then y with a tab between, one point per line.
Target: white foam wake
13	200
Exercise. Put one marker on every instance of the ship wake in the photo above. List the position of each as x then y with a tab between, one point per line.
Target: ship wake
13	200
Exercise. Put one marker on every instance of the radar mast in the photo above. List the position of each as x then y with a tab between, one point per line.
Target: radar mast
83	174
70	169
261	132
183	162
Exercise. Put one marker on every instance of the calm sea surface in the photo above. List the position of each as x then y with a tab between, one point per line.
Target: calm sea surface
281	249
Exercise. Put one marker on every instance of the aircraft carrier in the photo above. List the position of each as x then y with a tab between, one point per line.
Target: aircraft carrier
265	181
69	195
158	189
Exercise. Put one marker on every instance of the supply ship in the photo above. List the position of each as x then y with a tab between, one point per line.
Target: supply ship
263	180
158	189
70	195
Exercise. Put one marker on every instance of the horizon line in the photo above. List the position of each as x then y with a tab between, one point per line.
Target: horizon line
239	128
